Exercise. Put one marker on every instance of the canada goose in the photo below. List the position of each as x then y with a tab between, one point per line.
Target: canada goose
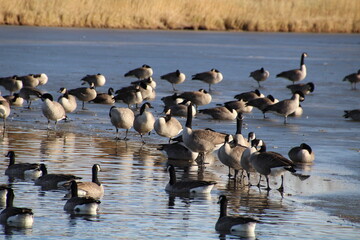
242	225
245	160
148	81
287	106
305	88
147	92
67	100
238	137
4	110
199	98
12	84
15	100
302	153
98	80
105	98
92	189
121	118
262	103
189	186
260	75
239	105
53	181
353	78
15	216
271	163
81	205
144	121
176	77
353	114
30	94
22	170
52	110
295	75
167	126
129	95
181	109
171	100
247	96
84	94
143	72
210	77
29	80
220	113
178	151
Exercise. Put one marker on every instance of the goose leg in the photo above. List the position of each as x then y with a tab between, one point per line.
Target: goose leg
126	133
248	175
267	182
229	175
258	185
117	134
281	188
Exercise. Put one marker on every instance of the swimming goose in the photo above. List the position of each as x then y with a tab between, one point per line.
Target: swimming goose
12	84
22	170
302	153
305	88
262	103
239	225
98	80
353	78
143	72
81	205
167	126
247	96
271	163
295	75
15	216
129	95
4	110
52	110
181	109
199	98
213	76
260	75
220	113
121	118
54	180
144	121
84	94
353	114
188	186
176	77
239	106
287	106
105	98
178	151
67	100
30	94
148	81
15	100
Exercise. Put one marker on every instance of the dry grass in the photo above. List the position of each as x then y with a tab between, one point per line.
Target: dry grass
341	16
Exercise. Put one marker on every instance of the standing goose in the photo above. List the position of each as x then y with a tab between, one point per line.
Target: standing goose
84	94
129	95
295	75
81	205
189	186
353	114
143	72
302	154
67	100
105	98
305	88
4	110
213	76
260	75
220	113
52	110
168	126
15	216
239	225
353	78
176	77
30	94
12	84
144	121
22	170
245	160
262	103
98	80
121	118
199	98
30	80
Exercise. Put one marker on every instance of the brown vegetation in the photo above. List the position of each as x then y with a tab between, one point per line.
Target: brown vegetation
341	16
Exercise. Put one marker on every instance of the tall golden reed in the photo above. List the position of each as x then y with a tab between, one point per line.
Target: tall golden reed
341	16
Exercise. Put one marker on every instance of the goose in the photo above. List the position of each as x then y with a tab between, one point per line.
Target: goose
247	96
30	94
15	216
143	72
353	78
42	77
271	163
30	80
213	76
262	103
105	98
84	94
67	100
167	126
245	160
295	75
121	118
81	205
98	80
199	98
302	153
53	181
353	114
148	81
15	100
187	186
239	225
287	106
147	92
181	109
305	88
238	137
144	121
22	170
176	77
298	112
129	95
3	192
178	151
172	100
260	75
4	110
12	84
52	110
220	113
239	106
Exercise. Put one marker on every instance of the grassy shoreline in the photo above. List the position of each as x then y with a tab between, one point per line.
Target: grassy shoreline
325	16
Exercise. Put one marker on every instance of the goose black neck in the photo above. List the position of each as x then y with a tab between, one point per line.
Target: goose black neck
239	121
263	147
302	59
189	116
9	198
95	175
74	189
223	207
172	173
11	156
43	169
